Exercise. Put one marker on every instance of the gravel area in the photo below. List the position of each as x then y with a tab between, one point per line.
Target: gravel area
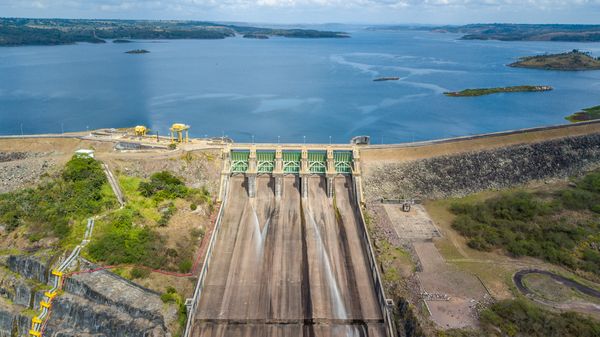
20	169
466	173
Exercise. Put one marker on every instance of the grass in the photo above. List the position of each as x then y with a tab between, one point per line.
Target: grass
131	236
58	205
585	115
559	226
145	206
489	91
522	318
171	296
547	288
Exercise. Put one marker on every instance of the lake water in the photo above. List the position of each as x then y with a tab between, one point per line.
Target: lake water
289	88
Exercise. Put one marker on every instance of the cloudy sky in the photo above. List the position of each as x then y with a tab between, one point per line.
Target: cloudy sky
316	11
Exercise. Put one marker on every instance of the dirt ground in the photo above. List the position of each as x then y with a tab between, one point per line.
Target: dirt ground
378	155
450	293
412	225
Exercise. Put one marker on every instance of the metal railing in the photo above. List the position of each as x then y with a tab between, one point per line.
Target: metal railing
38	322
384	302
200	284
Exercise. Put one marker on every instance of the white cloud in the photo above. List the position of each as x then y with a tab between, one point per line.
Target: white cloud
315	10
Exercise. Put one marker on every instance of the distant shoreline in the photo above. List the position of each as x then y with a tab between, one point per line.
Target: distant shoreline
50	32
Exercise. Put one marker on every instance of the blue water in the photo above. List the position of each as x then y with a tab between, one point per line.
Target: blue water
289	88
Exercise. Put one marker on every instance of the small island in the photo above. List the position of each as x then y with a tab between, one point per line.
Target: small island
585	115
489	91
381	79
137	51
572	61
122	41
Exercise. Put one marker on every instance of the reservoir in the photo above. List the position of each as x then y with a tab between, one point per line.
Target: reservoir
291	90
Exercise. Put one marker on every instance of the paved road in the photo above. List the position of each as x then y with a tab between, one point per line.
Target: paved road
288	268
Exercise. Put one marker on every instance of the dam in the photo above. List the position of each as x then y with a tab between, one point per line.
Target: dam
290	255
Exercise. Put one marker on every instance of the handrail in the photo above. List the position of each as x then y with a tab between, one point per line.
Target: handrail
375	274
38	322
200	284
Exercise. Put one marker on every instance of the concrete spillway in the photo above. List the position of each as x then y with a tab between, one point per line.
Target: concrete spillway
288	267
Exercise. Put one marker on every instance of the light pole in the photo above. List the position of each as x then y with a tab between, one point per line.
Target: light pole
278	139
304	137
329	140
252	139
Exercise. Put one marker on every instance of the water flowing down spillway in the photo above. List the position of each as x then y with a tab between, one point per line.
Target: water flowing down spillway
339	308
288	267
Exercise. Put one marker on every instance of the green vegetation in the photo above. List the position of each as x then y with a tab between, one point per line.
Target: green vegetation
131	235
166	214
525	32
57	203
522	318
561	227
139	273
20	31
163	185
137	51
574	60
126	243
489	91
585	115
171	296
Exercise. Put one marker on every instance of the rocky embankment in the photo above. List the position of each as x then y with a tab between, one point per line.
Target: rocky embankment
18	169
470	172
99	304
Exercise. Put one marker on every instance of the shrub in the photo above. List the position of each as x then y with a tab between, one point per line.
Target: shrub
521	318
578	199
193	207
139	273
163	185
524	224
166	214
53	205
185	266
125	243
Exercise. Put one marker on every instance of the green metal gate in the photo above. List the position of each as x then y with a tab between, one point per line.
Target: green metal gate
343	162
291	161
239	161
317	161
265	161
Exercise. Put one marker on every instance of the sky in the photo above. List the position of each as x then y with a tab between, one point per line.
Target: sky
316	11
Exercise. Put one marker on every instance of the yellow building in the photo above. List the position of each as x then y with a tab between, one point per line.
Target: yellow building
141	130
178	131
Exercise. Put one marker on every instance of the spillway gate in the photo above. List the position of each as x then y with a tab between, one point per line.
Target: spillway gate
279	161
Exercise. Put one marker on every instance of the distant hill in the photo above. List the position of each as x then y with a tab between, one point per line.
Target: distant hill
574	60
515	32
18	32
